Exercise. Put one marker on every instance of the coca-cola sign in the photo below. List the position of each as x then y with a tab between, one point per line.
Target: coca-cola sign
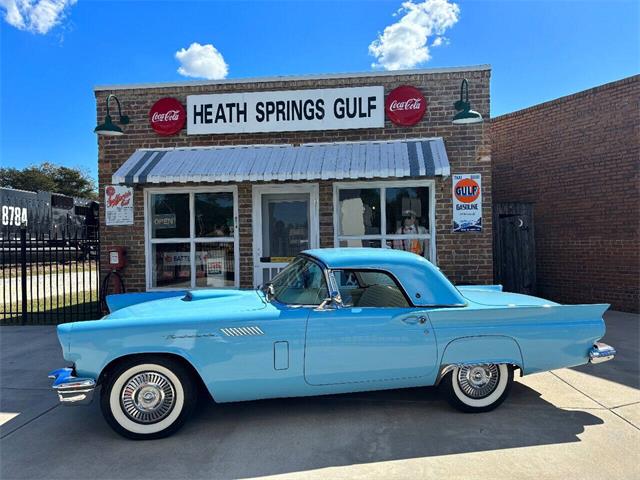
405	106
167	116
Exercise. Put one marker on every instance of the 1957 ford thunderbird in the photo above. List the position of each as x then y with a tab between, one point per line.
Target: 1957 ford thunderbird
333	321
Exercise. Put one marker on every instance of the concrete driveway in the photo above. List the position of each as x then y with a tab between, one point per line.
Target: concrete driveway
572	423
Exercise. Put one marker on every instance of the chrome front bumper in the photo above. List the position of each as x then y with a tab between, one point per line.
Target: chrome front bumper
72	390
601	352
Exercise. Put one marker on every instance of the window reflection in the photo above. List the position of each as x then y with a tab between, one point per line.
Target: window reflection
171	265
407	210
360	211
285	224
405	226
170	215
214	214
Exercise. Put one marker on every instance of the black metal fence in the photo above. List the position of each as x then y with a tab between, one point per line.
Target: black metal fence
49	278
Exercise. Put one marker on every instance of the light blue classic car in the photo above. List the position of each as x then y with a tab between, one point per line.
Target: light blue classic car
333	321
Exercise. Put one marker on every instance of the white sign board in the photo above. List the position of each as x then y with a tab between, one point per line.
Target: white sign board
286	111
467	202
216	270
118	202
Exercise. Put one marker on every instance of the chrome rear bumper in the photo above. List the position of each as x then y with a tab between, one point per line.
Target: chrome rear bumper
601	352
72	390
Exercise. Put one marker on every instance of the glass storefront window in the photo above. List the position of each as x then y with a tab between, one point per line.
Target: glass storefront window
357	242
170	215
215	266
359	211
214	214
171	265
405	222
407	210
193	241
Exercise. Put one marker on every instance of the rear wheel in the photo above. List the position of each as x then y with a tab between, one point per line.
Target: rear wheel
477	388
147	398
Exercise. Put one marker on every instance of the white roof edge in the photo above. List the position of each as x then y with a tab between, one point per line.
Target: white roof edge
292	78
281	145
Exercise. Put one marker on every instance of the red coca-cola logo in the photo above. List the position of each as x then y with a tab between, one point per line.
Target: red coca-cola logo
167	116
405	106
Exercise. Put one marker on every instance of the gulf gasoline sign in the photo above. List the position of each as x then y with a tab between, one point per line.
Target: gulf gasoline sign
286	111
467	202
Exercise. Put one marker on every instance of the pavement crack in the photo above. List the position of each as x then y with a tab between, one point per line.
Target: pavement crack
625	405
596	401
29	421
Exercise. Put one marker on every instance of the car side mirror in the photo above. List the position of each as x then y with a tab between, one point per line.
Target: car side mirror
333	301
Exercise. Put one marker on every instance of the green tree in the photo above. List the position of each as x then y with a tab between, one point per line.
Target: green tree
50	177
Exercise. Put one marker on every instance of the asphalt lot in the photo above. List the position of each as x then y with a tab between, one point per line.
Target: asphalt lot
570	423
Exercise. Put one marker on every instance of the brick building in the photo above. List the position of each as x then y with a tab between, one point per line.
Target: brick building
227	201
577	159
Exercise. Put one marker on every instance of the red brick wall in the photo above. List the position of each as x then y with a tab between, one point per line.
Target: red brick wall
464	257
577	159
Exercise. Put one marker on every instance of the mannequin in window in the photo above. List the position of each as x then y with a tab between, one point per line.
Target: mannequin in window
410	226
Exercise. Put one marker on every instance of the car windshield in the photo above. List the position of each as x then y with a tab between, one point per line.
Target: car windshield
302	282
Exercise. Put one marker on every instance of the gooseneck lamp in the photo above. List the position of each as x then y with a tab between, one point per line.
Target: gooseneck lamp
108	127
465	115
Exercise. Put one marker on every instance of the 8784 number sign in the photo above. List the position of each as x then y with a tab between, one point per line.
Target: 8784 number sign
14	216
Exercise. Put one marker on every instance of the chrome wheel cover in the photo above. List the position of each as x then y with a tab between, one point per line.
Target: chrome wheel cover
147	397
478	381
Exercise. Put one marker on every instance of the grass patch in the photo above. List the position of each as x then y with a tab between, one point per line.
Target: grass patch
44	268
50	311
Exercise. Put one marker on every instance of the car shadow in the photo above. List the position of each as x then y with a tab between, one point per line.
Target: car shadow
271	437
268	437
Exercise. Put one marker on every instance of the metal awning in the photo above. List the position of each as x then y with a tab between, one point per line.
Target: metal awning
315	161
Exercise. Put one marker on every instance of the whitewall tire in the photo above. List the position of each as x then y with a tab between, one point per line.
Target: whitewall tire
147	398
477	388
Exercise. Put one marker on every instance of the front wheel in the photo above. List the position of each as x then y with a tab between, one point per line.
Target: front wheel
148	398
477	388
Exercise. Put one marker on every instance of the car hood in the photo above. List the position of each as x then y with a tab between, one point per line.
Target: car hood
487	296
192	305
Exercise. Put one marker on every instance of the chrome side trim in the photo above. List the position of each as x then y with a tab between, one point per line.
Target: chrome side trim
601	352
72	390
242	331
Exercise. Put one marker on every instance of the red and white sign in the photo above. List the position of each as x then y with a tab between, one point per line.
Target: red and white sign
118	202
167	116
405	106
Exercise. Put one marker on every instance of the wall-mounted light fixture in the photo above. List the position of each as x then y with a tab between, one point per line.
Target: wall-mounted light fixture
108	127
465	114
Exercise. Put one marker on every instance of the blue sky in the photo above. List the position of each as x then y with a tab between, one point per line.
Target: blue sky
51	58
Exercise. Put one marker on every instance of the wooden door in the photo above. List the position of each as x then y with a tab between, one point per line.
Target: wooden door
514	258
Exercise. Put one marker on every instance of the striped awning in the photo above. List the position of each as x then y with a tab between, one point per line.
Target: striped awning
315	161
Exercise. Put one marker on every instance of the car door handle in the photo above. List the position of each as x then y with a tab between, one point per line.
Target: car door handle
414	320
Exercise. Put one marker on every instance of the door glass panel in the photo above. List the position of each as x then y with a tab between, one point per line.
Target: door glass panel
359	211
170	215
285	225
171	265
214	214
215	265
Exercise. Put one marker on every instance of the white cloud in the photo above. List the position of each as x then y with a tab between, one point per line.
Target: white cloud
35	16
404	44
438	41
202	61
